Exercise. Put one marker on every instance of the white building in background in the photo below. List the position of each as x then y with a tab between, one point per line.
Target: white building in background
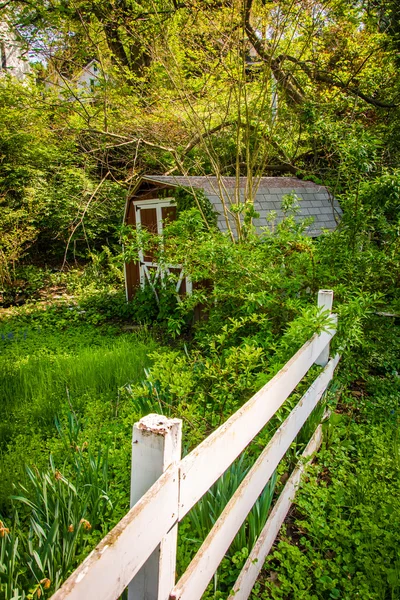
13	56
81	84
88	77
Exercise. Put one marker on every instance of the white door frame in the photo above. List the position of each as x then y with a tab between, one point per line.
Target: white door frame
144	272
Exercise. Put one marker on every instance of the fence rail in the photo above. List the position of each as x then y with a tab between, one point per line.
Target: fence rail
255	561
141	550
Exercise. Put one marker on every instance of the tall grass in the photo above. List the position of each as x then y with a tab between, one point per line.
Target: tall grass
45	375
35	386
31	378
205	513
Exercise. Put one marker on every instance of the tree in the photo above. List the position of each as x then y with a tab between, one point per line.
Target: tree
239	87
53	203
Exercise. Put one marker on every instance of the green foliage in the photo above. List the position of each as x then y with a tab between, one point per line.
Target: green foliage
217	382
260	306
347	522
218	371
66	515
199	521
341	540
205	513
208	256
252	329
180	92
187	199
46	370
51	202
381	199
156	302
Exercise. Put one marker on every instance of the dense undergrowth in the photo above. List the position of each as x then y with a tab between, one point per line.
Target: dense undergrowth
60	398
72	392
192	88
82	367
341	540
47	373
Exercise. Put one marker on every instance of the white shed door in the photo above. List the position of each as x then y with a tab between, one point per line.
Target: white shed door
151	215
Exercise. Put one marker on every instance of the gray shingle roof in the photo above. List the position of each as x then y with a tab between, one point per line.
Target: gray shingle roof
314	200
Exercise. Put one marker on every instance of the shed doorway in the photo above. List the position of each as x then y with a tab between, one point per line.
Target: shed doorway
151	215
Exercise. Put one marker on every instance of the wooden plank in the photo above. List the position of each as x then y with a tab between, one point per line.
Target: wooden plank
149	222
106	572
202	467
131	269
255	561
200	571
156	445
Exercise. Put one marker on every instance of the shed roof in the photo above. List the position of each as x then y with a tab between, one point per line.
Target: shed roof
314	200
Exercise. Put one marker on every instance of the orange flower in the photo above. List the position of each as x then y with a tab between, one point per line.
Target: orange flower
45	583
71	528
57	475
3	529
86	525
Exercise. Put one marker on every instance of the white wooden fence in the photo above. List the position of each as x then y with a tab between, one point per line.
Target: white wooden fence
141	550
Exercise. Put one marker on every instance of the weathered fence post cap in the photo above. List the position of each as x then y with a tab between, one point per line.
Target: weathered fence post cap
325	299
158	424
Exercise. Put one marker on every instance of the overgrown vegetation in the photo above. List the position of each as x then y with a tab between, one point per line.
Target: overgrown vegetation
341	539
224	88
251	330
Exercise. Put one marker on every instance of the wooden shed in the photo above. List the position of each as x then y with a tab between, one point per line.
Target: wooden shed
150	205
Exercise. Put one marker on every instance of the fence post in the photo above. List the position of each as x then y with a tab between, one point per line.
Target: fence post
156	444
325	301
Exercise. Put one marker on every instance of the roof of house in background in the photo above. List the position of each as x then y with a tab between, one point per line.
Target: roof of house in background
314	200
89	68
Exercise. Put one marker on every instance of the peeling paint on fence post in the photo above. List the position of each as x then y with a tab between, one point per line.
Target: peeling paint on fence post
325	301
156	444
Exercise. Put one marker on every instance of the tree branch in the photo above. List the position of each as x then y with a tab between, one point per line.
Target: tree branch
320	76
132	140
80	221
285	80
